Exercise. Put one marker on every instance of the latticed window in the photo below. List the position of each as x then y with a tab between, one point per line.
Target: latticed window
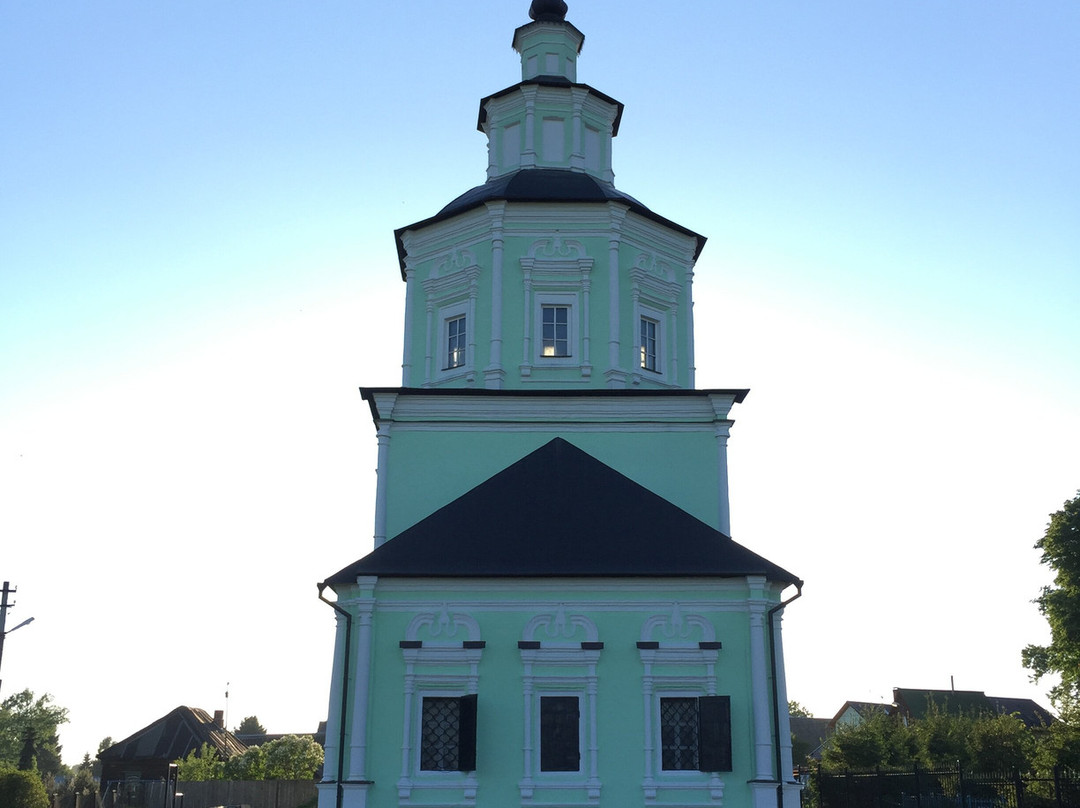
455	342
648	344
555	330
695	734
448	734
679	734
560	747
439	735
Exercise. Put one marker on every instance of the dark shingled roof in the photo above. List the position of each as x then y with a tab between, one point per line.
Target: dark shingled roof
172	736
561	512
543	185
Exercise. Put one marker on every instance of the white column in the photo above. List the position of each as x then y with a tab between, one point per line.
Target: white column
406	359
781	690
382	473
688	297
723	432
333	716
759	674
493	373
357	764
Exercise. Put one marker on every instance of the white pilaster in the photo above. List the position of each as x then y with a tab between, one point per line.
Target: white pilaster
759	684
723	432
382	475
362	608
493	373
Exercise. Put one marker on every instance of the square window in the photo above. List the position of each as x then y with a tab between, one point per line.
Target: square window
455	342
560	745
649	344
448	734
555	331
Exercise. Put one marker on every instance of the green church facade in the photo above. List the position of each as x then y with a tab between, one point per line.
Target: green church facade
554	613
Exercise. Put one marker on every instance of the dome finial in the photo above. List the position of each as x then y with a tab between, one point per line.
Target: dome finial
548	11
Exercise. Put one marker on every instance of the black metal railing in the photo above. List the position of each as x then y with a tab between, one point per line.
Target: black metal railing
940	788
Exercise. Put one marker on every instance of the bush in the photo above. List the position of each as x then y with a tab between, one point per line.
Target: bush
22	790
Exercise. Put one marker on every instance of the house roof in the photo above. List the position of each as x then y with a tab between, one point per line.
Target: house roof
809	733
173	736
542	185
559	512
917	703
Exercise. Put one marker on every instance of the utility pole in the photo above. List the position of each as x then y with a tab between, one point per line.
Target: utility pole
4	606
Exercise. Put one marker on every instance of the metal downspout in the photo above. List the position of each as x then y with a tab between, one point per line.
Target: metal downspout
344	693
776	692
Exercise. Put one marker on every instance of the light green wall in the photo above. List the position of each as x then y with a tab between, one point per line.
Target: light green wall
472	232
620	703
429	469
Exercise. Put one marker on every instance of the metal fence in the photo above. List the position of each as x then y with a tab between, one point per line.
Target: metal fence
203	794
945	788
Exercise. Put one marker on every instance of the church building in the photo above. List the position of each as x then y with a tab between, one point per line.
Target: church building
554	613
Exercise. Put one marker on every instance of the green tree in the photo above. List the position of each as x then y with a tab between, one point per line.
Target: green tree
106	742
1060	605
292	758
249	766
201	764
942	738
250	726
877	740
1001	743
19	789
22	716
797	710
82	784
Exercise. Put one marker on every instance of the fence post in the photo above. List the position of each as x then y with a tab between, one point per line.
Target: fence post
960	796
1019	788
1057	787
918	785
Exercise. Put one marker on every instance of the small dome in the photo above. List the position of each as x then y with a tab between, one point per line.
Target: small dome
548	10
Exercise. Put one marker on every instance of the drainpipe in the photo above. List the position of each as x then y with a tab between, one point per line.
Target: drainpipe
344	693
776	692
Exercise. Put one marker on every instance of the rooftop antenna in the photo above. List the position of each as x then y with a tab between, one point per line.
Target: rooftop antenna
226	706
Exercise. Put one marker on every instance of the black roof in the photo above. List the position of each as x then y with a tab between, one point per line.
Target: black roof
559	512
543	185
172	736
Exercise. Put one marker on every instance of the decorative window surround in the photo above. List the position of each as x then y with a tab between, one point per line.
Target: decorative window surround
656	296
451	292
684	646
559	653
556	272
442	656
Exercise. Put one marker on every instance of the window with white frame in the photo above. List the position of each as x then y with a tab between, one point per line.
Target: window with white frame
554	330
687	725
556	286
560	733
448	733
441	652
695	733
559	679
456	343
649	341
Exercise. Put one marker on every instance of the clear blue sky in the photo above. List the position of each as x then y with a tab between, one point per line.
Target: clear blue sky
197	270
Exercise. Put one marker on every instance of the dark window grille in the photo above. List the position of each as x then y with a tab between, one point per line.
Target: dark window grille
679	734
439	739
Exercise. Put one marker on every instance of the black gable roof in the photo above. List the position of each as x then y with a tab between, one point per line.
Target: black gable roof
560	512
